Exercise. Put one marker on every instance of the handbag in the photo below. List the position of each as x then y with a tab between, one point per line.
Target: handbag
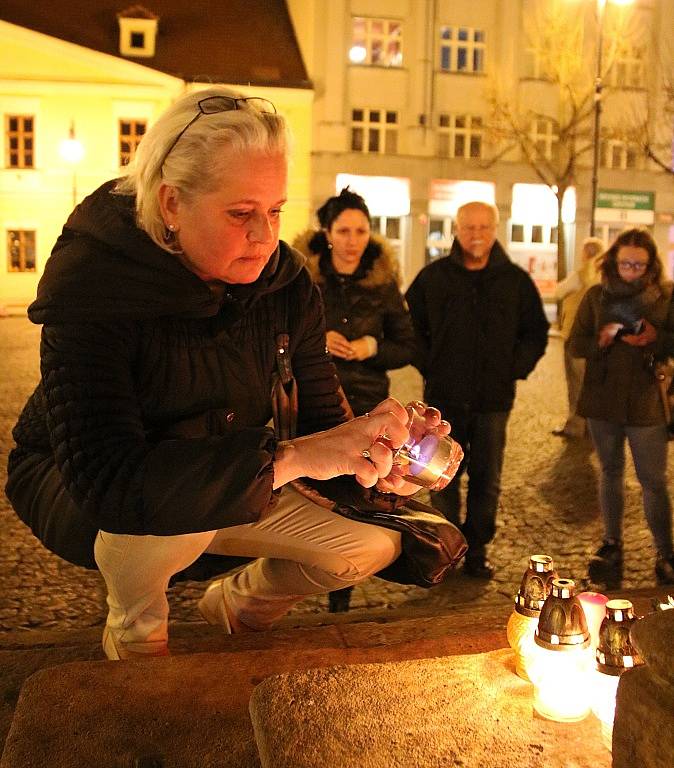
430	545
663	370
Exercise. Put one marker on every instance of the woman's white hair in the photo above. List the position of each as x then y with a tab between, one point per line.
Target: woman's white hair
195	164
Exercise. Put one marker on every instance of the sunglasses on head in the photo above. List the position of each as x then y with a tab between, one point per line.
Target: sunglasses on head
212	105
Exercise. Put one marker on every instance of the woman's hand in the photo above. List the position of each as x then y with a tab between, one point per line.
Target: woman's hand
431	423
338	345
361	349
647	336
607	334
362	447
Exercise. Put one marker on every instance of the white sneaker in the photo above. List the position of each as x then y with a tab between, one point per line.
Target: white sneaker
212	605
116	650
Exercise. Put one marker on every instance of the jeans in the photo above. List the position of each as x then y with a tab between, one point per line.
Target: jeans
648	446
482	437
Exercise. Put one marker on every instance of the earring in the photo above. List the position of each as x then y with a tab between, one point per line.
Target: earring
329	246
170	233
172	227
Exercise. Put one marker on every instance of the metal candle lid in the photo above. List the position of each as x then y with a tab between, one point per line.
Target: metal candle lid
615	651
535	585
562	625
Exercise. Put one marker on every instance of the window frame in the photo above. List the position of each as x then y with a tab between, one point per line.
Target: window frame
133	138
23	236
385	131
473	129
22	136
386	39
452	47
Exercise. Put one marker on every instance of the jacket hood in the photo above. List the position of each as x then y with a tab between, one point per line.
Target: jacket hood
497	256
313	245
103	265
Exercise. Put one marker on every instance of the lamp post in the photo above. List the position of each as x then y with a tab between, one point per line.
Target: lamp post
72	151
598	88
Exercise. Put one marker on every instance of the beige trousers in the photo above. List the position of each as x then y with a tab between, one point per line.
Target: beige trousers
302	550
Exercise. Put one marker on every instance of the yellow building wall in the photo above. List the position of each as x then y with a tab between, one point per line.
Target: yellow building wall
61	84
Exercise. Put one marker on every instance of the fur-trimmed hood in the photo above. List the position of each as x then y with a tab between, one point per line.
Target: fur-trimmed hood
313	244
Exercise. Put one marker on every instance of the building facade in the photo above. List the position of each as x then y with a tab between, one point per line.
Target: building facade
406	96
80	83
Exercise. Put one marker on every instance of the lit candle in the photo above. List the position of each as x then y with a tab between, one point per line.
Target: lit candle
594	608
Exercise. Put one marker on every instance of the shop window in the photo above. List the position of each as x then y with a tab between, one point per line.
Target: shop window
19	141
130	134
517	233
440	237
374	131
459	135
376	42
21	250
533	234
462	49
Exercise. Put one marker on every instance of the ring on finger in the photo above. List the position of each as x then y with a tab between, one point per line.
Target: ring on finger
365	454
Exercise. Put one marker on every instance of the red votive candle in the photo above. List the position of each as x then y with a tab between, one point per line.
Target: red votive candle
594	608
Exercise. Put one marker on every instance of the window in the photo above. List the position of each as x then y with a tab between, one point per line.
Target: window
19	141
627	70
459	135
137	40
374	131
378	42
537	64
461	49
21	250
619	154
130	134
544	137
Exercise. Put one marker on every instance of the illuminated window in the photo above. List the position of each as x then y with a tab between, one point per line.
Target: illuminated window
19	141
374	131
619	154
544	137
461	49
21	250
459	135
378	42
130	134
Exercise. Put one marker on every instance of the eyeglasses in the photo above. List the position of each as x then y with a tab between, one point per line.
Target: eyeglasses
214	104
633	266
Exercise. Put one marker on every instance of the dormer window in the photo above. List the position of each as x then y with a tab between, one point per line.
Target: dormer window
137	32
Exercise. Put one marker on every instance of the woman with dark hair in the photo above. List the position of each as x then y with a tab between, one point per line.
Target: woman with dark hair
369	330
621	325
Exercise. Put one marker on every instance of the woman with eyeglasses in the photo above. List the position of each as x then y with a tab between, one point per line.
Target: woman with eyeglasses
621	324
146	444
369	330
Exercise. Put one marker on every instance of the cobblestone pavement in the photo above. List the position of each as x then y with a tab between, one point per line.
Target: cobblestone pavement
548	505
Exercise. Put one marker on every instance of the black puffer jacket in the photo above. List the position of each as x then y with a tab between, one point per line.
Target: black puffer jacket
477	331
150	414
367	303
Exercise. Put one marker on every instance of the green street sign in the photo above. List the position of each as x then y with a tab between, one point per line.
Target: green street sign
626	201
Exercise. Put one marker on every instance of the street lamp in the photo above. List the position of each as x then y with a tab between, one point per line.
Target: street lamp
72	151
598	87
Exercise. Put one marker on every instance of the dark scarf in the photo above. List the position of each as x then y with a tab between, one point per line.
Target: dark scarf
626	303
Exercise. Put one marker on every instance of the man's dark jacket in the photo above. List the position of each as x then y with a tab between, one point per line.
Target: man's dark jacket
151	413
477	331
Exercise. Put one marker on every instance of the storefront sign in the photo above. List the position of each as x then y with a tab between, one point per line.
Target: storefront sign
619	205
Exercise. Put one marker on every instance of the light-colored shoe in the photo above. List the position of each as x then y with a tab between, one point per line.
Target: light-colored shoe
212	606
116	650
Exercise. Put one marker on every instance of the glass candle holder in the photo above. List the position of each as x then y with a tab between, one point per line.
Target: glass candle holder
426	459
534	588
594	608
615	653
562	658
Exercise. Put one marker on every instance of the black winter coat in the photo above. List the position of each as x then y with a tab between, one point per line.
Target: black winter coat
366	303
477	331
151	413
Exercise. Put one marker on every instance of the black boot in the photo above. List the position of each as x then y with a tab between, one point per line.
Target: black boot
606	565
338	601
664	570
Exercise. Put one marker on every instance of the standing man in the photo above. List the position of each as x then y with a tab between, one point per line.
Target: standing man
480	326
